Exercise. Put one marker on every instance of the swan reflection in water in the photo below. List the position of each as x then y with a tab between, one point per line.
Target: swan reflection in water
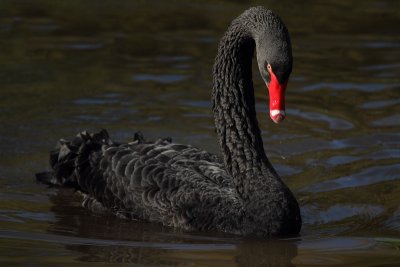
100	238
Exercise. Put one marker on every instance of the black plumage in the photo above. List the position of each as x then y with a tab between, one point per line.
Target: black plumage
183	186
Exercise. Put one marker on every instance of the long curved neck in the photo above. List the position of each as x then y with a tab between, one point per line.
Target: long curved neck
234	110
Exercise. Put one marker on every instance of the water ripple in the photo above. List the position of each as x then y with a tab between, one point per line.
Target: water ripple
95	101
379	45
72	240
84	46
162	78
338	160
334	123
380	104
368	176
381	67
370	87
393	120
314	215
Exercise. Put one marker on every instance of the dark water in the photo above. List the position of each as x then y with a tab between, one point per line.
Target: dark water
66	66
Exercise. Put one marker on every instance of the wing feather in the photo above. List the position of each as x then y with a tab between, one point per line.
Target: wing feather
157	181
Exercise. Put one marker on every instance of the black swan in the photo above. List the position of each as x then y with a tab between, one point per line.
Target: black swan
182	186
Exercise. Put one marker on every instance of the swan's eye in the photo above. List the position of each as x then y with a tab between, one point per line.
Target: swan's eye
267	71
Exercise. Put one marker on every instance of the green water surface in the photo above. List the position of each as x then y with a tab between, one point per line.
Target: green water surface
124	65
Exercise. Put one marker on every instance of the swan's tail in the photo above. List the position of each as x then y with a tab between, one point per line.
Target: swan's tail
69	156
74	160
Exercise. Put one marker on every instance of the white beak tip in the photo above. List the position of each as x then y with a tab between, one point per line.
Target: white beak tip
277	115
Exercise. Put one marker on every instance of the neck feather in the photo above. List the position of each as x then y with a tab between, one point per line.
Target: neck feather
234	110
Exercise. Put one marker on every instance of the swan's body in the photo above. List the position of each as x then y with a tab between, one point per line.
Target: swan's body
182	186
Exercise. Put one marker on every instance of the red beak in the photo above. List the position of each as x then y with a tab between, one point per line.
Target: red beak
276	98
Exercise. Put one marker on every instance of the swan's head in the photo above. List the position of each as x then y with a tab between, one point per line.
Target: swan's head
274	57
